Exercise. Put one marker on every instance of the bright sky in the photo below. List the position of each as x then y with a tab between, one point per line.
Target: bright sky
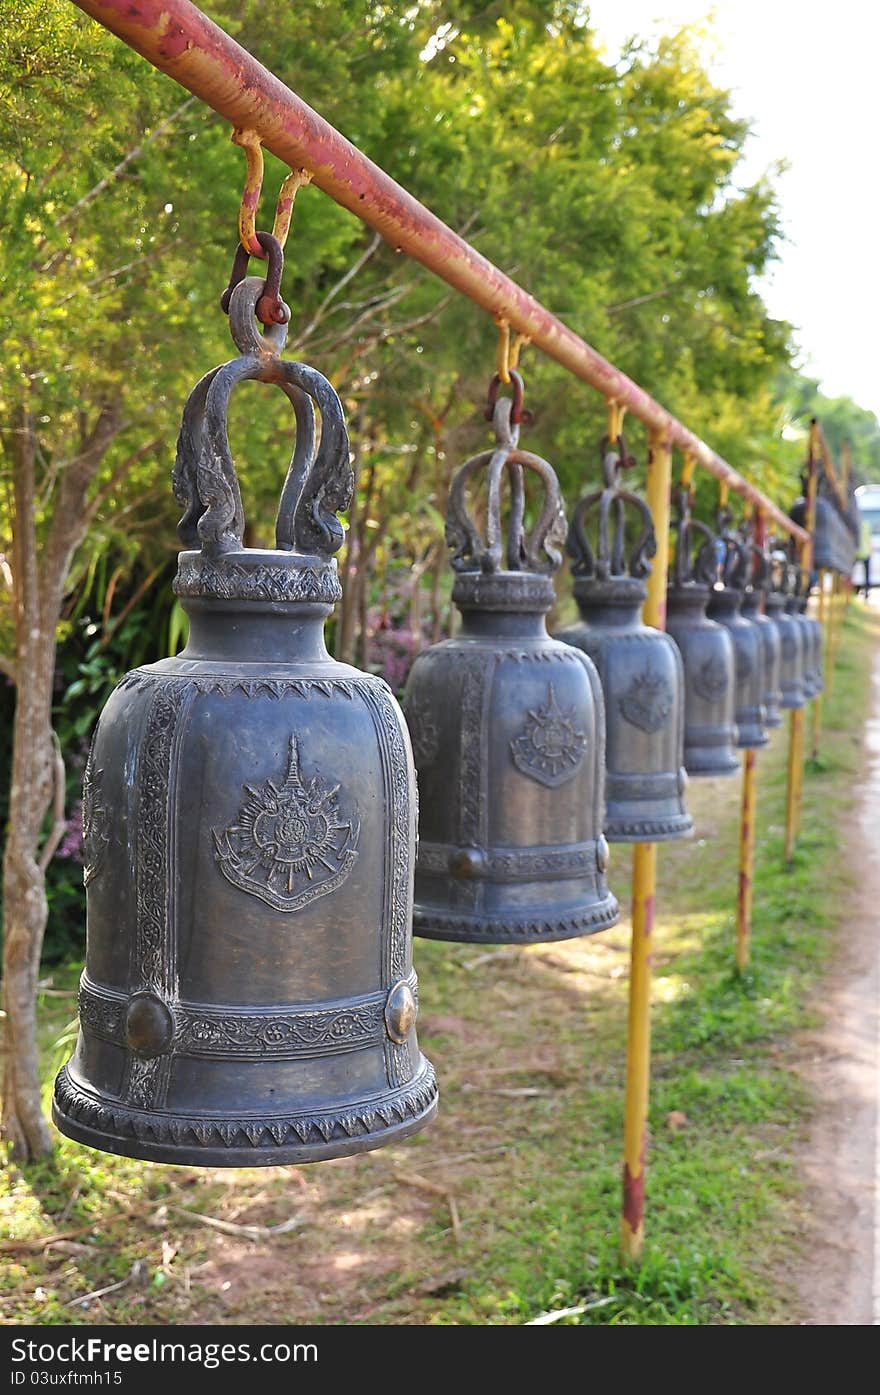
807	78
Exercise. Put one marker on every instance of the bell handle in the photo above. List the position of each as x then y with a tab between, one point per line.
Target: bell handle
183	474
319	482
523	552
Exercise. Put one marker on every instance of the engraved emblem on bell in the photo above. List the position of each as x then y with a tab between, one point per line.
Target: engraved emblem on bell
647	701
249	996
639	667
512	801
551	745
712	679
95	821
424	734
291	841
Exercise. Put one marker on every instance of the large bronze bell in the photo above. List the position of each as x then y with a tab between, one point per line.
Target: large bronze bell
706	649
725	602
249	828
791	634
640	667
754	596
812	636
508	731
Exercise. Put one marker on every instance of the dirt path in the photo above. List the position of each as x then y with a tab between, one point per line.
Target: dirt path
839	1281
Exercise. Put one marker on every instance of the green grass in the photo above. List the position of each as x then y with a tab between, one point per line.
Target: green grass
536	1177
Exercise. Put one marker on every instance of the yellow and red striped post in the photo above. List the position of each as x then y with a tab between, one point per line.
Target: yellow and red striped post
796	743
748	814
638	1054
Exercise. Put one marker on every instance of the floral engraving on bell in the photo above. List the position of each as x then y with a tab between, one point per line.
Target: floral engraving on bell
292	842
711	680
423	730
647	701
551	745
94	822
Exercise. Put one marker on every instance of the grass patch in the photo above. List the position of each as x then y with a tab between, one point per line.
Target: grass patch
536	1176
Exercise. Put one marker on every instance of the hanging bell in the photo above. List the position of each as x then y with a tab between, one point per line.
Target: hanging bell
249	827
640	667
706	649
507	729
725	604
754	596
811	632
791	634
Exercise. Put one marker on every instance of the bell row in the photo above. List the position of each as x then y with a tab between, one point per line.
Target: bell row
250	804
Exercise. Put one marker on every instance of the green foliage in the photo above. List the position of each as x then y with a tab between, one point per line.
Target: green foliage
843	421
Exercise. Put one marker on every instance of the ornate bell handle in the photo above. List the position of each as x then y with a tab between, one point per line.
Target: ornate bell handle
609	559
700	565
759	573
318	483
537	551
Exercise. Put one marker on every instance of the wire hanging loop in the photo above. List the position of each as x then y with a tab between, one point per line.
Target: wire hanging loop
249	141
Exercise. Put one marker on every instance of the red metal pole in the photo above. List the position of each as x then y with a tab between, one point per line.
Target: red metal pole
178	39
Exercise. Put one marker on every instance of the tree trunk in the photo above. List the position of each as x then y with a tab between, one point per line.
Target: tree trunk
39	577
25	909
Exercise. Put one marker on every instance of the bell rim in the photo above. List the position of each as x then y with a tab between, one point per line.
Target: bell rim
461	928
727	765
623	830
418	1101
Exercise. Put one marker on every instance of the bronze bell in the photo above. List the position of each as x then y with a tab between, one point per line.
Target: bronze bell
706	649
812	636
508	731
754	596
791	633
640	667
250	807
725	604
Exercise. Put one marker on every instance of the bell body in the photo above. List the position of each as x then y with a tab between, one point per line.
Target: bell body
709	681
642	679
791	650
248	996
724	606
507	727
771	649
811	632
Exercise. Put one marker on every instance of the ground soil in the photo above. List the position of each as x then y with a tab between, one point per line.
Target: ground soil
837	1278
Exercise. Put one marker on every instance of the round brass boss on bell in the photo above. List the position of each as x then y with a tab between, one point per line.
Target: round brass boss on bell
507	729
639	667
249	828
706	649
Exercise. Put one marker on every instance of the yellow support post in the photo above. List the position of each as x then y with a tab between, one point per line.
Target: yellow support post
746	859
638	1053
